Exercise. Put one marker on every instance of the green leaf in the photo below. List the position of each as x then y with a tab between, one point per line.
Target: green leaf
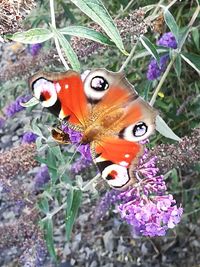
57	152
38	142
33	36
177	65
193	60
72	210
88	33
36	129
43	205
150	47
147	86
171	23
69	52
48	234
32	102
98	13
68	13
196	37
165	130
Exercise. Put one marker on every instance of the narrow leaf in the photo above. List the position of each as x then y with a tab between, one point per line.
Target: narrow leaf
72	211
68	13
196	37
33	36
165	130
98	13
193	60
177	65
88	33
48	234
171	23
150	47
32	102
57	152
69	52
36	129
43	205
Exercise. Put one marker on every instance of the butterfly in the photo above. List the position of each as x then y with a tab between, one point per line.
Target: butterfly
106	110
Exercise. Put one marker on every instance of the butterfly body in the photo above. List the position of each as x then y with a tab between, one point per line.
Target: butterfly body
108	113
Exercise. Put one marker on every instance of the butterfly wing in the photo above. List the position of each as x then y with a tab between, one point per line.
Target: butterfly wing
127	120
115	159
62	94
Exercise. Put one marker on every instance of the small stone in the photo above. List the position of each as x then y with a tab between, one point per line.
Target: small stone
108	241
94	264
6	139
66	250
20	132
15	138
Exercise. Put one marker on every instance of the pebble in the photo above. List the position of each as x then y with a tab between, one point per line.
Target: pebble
108	240
6	139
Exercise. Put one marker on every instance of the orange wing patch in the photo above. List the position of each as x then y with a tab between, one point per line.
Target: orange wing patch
119	151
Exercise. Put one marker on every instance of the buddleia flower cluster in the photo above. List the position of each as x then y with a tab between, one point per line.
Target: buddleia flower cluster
154	70
16	106
147	206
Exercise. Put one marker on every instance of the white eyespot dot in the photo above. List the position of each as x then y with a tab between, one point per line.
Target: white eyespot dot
66	86
126	155
57	87
123	163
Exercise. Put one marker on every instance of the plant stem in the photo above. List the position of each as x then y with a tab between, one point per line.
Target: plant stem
53	22
50	215
152	101
84	188
129	57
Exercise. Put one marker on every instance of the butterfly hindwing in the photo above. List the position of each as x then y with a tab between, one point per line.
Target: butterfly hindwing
115	158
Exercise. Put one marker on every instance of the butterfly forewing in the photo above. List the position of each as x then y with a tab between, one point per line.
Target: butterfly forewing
62	94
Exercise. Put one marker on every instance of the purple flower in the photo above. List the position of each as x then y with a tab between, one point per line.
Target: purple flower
167	40
15	106
151	215
75	138
42	177
146	206
80	164
29	137
154	71
34	49
2	122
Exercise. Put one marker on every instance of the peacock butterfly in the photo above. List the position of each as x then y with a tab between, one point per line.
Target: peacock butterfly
108	112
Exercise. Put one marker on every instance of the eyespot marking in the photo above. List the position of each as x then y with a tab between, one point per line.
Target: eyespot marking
140	129
99	84
45	91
